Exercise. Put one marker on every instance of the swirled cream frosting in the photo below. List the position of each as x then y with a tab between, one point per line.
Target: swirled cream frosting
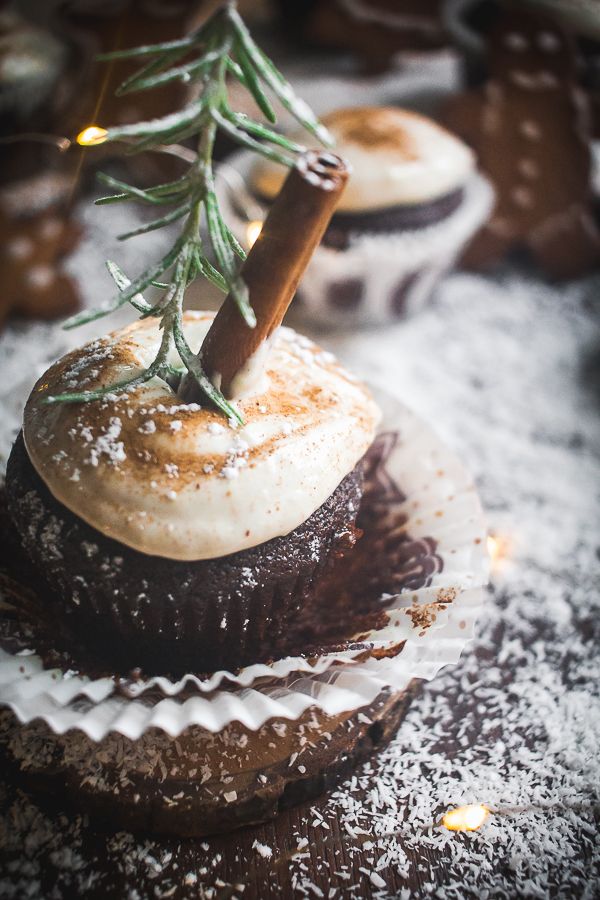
398	157
179	480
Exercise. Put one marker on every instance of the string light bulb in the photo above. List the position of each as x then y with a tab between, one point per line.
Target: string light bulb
465	818
493	546
253	231
92	135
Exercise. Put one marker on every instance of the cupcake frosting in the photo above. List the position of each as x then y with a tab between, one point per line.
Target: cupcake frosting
179	480
398	158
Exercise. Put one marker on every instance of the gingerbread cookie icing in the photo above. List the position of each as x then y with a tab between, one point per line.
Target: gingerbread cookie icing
398	157
178	480
530	127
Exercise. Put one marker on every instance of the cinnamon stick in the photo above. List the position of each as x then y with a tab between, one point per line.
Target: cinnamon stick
272	271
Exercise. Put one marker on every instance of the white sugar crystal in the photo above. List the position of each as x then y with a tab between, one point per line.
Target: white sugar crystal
262	849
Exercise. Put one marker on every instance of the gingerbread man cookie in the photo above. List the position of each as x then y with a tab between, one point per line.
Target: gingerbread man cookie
529	125
34	238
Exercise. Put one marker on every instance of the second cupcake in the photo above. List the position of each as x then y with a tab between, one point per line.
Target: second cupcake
412	203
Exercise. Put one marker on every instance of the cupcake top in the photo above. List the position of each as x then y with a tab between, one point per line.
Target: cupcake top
398	158
179	480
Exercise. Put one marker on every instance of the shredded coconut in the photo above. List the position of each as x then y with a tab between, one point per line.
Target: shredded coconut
507	370
262	849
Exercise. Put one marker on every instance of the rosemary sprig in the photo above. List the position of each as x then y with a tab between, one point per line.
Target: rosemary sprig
220	47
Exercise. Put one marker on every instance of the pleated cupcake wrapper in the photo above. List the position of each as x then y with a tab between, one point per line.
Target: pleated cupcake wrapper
396	272
426	628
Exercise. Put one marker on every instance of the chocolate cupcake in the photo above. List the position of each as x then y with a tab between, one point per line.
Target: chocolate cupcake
413	201
178	539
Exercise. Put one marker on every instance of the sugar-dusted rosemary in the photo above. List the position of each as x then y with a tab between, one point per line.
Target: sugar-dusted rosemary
221	47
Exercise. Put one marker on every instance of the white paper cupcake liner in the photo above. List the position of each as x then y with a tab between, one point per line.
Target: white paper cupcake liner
397	272
427	628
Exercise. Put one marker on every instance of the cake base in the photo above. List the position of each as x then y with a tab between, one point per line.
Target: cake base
201	783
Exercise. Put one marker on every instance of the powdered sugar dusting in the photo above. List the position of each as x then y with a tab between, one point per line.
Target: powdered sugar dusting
516	726
106	444
507	369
